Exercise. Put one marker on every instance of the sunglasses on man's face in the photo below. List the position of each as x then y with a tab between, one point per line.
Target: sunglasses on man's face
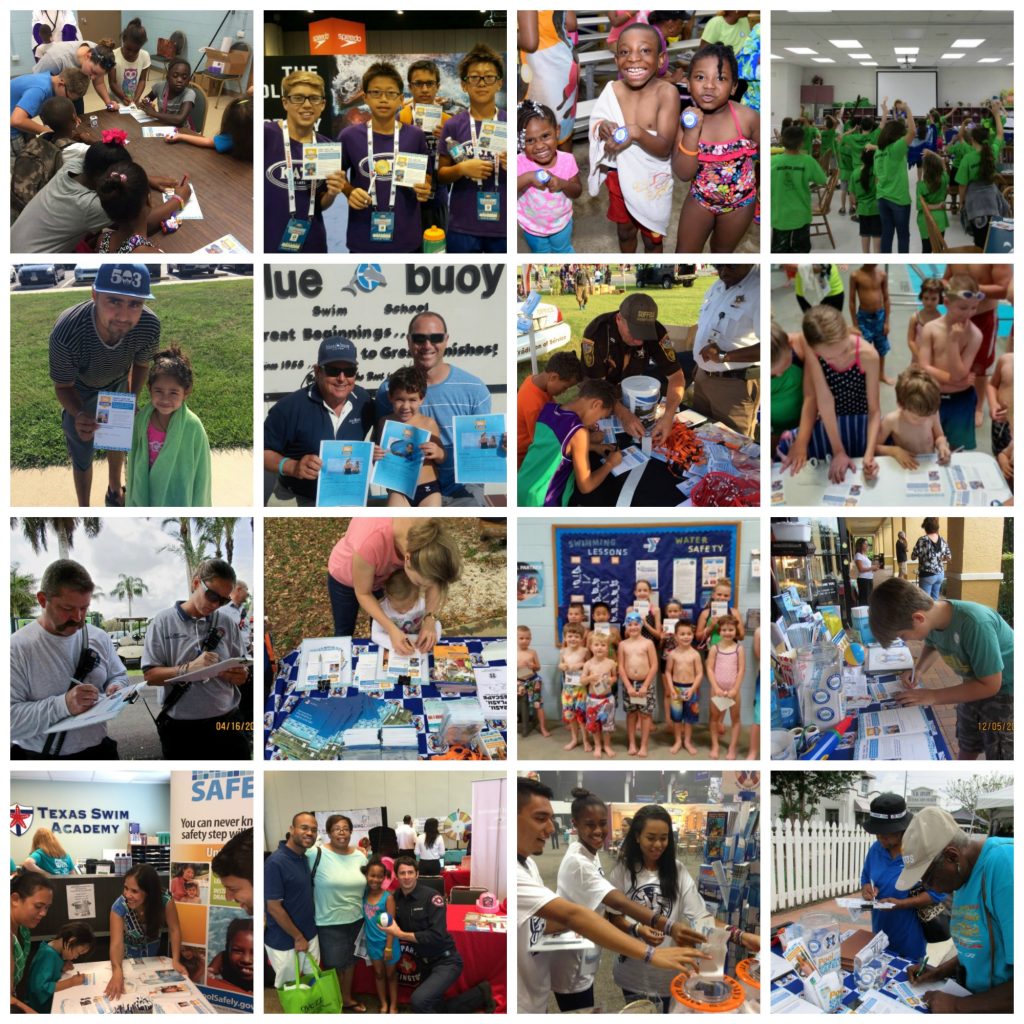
338	371
423	339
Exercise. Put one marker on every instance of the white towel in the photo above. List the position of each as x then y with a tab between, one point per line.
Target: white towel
646	180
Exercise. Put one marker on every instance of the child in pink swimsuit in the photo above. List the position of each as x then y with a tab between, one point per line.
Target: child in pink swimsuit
724	183
726	666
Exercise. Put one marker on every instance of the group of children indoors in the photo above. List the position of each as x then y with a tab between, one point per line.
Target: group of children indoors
871	163
842	368
641	140
602	673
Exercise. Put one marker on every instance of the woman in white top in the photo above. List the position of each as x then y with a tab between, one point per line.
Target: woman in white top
648	872
430	849
865	571
581	880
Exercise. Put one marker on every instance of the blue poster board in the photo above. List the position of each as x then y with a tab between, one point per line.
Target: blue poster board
600	563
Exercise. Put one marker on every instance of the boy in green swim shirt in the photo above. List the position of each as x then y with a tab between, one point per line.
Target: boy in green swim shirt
974	641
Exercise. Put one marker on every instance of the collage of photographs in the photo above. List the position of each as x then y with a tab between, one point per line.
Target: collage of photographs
334	679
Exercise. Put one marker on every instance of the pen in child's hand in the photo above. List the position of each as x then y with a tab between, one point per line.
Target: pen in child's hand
184	178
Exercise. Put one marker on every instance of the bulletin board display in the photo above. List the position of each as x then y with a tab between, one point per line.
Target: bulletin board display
603	563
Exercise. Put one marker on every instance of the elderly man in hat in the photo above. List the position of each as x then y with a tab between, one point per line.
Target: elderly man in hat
888	818
330	407
632	342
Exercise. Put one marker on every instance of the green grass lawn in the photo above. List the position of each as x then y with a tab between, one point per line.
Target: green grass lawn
212	322
676	305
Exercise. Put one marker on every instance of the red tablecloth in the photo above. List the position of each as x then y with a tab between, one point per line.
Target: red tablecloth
452	879
483	958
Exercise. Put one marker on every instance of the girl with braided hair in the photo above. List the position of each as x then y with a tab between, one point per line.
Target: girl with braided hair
548	181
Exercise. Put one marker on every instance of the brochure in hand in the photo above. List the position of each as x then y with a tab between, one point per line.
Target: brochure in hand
115	414
400	468
344	473
481	449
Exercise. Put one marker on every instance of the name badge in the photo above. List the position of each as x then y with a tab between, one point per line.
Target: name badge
382	226
488	206
294	237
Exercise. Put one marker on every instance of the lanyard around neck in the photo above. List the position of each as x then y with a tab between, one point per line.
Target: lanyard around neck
290	176
373	170
476	153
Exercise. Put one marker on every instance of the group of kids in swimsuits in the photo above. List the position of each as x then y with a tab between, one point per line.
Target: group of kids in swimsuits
639	140
599	664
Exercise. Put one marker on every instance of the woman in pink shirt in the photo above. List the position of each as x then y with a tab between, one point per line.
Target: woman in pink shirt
370	552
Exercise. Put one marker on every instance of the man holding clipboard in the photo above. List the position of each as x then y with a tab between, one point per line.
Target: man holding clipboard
187	640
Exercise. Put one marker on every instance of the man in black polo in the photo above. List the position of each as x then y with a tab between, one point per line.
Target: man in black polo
333	408
630	343
421	919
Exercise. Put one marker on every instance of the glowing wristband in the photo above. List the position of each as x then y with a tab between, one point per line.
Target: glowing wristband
688	152
280	466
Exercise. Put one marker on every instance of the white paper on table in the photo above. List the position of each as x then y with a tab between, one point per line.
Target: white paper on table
107	707
948	986
210	671
879	1002
631	458
492	689
853	903
115	414
779	966
226	245
722	703
192	209
159	131
784	1001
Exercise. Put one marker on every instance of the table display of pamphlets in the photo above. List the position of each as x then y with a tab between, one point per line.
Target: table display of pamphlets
152	985
892	992
338	698
481	449
344	473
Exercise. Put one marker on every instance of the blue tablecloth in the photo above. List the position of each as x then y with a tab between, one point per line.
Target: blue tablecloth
897	972
282	700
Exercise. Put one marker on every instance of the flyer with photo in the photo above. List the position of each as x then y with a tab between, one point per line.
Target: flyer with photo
481	449
344	473
399	470
320	159
493	137
115	414
427	116
410	169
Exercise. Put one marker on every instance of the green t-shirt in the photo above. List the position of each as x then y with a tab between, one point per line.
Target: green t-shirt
787	398
867	200
829	143
850	147
810	134
792	176
976	643
46	970
924	196
718	30
970	163
893	182
955	151
339	886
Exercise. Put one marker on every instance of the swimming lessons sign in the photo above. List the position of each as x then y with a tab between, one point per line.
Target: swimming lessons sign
372	305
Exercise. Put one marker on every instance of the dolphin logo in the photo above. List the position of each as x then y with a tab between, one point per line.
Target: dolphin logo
366	278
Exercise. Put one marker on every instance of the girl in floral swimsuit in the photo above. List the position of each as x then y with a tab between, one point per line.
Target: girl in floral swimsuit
720	165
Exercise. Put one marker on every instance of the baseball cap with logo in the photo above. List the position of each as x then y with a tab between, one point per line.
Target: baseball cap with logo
130	279
931	831
336	350
641	314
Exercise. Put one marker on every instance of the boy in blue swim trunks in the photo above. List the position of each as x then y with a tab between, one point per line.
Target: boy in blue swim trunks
949	346
869	287
683	674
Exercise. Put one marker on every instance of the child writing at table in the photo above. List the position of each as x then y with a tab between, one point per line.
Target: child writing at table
171	101
405	606
124	196
50	970
127	78
43	155
914	428
841	385
235	135
169	463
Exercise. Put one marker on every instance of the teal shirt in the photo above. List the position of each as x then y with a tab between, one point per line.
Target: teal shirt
971	917
976	643
339	886
53	865
46	970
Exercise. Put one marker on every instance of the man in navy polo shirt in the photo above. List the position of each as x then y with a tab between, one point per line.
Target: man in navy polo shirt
288	894
334	408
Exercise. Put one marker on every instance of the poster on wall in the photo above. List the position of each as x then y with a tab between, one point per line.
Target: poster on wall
603	563
207	809
529	585
372	304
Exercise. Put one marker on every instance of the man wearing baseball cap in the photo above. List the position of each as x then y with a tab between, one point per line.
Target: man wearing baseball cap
888	818
978	871
632	342
329	406
104	344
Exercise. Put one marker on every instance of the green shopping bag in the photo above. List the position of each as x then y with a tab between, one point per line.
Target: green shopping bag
315	992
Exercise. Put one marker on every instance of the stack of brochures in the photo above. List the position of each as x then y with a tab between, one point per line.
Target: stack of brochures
361	743
399	743
897	734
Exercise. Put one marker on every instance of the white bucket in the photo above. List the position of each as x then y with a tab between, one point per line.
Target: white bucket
641	395
783	746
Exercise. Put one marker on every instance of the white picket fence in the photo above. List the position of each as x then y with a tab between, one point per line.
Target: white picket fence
815	861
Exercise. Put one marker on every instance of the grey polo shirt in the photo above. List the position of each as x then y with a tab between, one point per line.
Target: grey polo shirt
173	638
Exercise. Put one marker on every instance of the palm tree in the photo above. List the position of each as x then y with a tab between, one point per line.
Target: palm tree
222	528
36	530
23	593
190	541
127	588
